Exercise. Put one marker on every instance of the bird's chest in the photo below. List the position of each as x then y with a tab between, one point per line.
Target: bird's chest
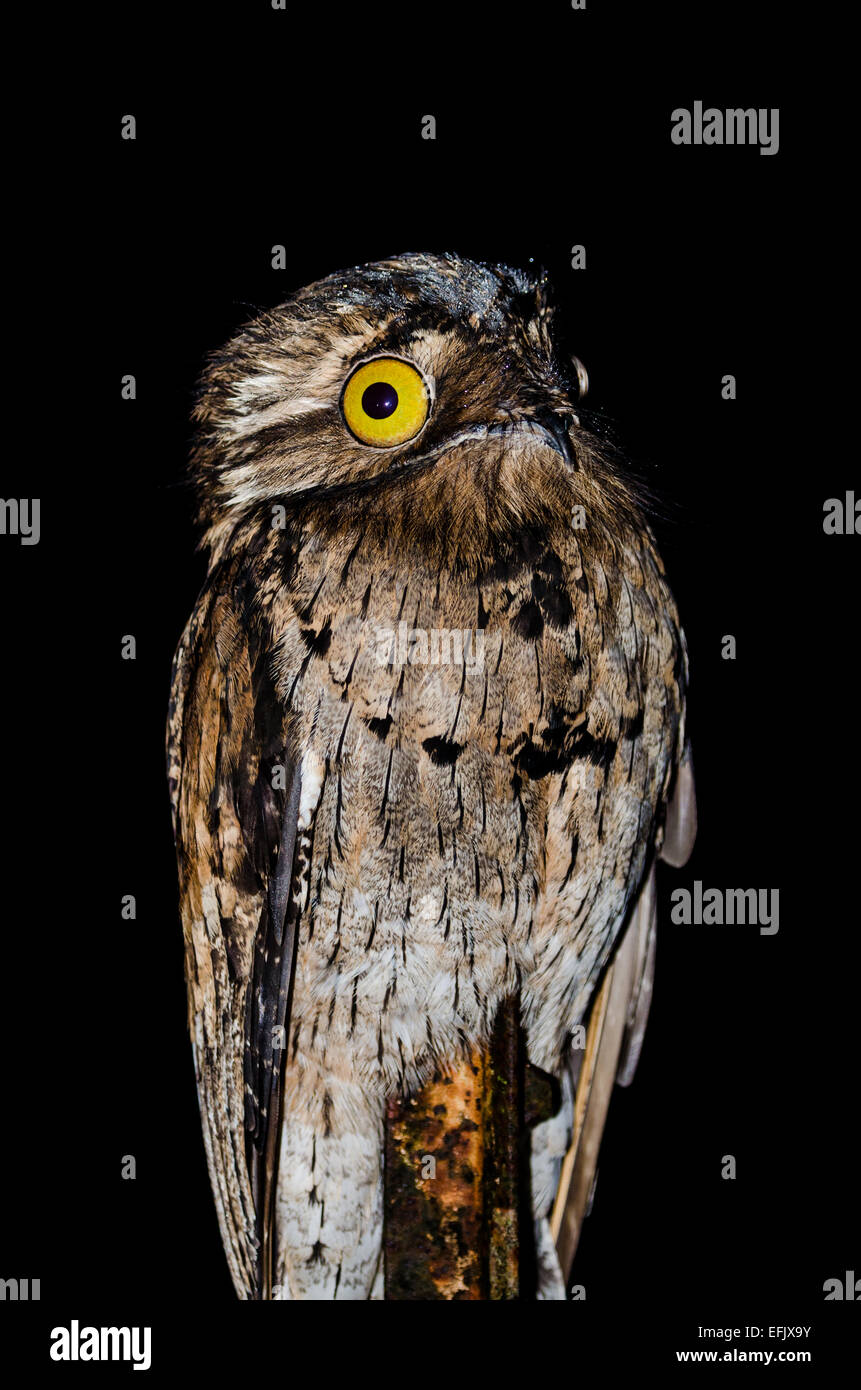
439	668
436	707
427	709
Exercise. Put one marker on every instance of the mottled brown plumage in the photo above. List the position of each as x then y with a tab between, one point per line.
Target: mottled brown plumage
466	825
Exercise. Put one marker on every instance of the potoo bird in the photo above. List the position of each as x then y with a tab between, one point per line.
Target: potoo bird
427	720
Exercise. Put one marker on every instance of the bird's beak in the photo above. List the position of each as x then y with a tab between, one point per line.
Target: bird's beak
557	427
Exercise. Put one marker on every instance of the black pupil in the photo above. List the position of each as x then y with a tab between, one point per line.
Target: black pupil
379	400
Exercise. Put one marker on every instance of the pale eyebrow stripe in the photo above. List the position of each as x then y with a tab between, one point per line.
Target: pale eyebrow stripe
252	419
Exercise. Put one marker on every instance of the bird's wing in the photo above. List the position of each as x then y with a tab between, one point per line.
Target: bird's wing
616	1029
235	793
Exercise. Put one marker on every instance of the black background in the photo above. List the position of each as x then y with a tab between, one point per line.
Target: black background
257	128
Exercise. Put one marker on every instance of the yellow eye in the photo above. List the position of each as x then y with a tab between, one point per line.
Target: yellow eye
385	402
